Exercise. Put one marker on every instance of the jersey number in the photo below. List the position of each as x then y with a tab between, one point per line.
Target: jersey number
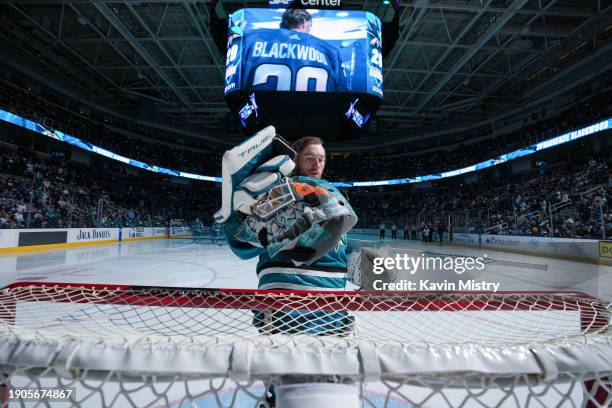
376	58
283	76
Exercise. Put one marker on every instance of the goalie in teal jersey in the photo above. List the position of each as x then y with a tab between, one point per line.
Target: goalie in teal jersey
296	225
282	211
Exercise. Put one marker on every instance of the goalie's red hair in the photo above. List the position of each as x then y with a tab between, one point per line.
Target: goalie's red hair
301	144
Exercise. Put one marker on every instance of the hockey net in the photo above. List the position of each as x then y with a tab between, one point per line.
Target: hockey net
150	346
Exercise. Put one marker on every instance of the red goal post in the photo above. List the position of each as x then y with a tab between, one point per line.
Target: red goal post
432	341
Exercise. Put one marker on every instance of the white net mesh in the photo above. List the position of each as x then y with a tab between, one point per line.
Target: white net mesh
127	346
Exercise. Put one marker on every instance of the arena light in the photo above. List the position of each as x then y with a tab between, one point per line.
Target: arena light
504	158
568	137
81	144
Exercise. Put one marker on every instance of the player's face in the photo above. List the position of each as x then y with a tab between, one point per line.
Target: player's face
312	161
304	28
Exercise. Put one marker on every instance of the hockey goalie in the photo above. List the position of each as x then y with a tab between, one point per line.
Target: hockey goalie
277	206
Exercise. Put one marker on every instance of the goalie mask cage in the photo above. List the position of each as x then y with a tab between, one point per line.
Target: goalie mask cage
151	346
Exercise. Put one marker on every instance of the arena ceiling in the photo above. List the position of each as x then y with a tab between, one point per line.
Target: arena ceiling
455	62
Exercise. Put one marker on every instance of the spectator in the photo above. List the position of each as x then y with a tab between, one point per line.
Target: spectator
381	231
425	233
440	232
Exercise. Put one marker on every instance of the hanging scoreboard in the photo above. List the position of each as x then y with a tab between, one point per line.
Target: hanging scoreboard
324	79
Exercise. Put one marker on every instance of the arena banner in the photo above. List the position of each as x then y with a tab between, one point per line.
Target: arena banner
37	238
15	240
77	235
600	126
180	231
561	247
605	249
579	249
466	239
41	237
135	232
159	232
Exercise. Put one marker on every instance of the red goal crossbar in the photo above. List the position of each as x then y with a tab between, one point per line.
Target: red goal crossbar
594	315
272	299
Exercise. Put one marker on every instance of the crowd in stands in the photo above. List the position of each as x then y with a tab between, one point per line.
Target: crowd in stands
569	199
48	192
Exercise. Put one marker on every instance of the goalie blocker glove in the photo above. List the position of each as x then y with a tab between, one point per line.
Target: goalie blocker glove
254	188
250	169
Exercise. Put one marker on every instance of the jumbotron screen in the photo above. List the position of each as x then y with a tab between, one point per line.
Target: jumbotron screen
340	52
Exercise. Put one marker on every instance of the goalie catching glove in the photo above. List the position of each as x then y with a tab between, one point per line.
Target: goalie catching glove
301	217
